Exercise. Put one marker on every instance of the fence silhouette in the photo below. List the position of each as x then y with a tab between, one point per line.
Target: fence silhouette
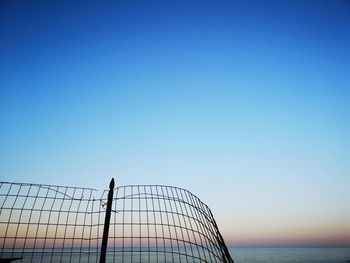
134	223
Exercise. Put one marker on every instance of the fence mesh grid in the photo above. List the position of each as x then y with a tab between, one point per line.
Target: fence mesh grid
149	223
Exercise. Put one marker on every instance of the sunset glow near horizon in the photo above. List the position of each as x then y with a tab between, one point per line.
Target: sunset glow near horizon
244	103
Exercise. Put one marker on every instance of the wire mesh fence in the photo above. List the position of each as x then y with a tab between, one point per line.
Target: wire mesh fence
46	223
148	223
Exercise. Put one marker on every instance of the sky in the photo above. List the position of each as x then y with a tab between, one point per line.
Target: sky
244	103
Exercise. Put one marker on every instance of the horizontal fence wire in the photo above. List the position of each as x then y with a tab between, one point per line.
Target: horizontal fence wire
149	223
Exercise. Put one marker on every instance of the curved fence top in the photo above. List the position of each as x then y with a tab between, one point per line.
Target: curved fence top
148	223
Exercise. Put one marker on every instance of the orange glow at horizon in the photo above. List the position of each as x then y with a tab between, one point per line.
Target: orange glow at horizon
307	236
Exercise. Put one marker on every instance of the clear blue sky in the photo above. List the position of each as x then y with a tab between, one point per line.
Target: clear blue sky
245	103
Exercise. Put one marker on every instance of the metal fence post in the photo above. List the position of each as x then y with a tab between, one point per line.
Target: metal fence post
107	221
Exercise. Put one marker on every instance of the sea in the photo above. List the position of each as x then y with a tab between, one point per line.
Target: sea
239	255
284	255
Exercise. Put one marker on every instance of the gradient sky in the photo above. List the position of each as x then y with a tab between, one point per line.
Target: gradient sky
244	103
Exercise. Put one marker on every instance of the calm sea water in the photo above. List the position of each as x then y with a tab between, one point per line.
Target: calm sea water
240	255
284	255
